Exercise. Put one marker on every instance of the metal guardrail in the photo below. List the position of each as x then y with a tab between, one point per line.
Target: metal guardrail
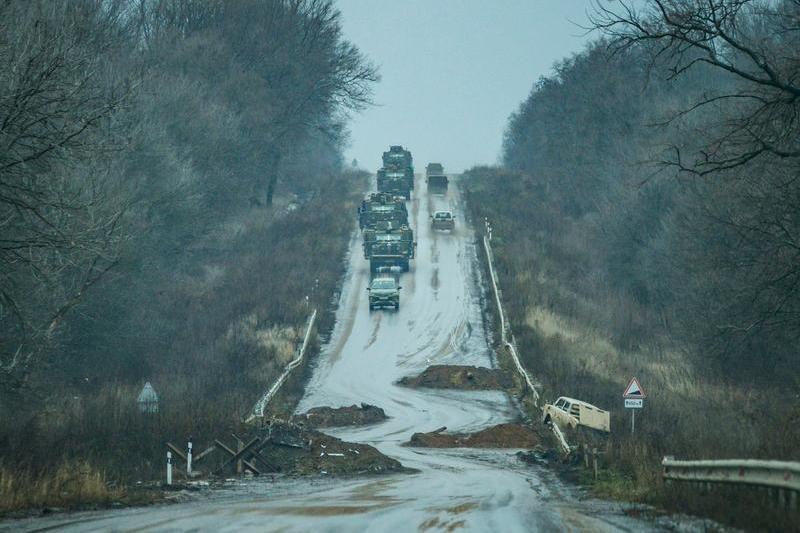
261	404
508	341
773	474
505	337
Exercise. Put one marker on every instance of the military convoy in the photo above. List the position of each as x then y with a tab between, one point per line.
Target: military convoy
388	240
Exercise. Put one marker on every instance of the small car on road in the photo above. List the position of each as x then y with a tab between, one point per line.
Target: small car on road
384	292
443	220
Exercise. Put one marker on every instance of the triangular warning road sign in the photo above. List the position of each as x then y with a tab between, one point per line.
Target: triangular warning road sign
634	390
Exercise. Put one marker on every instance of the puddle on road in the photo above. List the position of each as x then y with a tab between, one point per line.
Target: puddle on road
364	498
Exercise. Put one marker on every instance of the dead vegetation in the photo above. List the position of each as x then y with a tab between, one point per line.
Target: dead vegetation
71	484
460	377
499	436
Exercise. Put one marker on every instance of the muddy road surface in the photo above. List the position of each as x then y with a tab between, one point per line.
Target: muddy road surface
439	322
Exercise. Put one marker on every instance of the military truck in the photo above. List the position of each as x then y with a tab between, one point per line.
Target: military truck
389	250
435	177
382	207
398	157
395	181
384	292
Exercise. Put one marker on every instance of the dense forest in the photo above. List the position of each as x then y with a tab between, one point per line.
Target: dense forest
646	219
166	167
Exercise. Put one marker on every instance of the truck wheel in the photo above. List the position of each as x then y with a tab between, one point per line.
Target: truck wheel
397	306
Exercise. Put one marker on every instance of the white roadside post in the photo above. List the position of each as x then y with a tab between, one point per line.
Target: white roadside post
189	459
169	468
634	399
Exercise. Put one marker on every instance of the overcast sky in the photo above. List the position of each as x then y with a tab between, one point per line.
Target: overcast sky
453	71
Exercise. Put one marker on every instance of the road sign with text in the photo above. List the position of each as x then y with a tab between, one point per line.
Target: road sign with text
634	390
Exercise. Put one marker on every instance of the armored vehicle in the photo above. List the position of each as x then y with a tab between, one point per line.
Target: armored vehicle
382	207
396	181
435	177
398	157
443	220
389	249
384	292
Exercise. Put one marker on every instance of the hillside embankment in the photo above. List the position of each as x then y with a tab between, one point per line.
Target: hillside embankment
574	343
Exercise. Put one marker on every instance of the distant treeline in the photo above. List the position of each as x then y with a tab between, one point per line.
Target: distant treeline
662	166
171	190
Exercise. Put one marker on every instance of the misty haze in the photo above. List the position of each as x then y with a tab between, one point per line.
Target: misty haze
363	265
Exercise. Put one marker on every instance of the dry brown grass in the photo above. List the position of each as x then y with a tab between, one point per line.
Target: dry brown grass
71	483
580	336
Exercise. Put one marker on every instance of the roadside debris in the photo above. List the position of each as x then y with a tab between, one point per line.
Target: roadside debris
296	450
460	377
499	436
354	415
539	455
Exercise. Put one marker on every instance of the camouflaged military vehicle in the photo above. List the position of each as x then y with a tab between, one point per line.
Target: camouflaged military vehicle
396	181
398	158
389	250
382	207
435	177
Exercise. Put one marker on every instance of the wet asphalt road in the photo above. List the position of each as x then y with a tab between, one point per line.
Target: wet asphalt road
439	322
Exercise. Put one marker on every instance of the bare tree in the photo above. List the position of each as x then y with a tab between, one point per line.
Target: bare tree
60	215
755	43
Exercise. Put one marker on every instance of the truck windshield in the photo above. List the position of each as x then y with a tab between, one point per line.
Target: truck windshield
383	284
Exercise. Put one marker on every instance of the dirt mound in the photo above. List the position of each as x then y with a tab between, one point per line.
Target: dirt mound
499	436
293	449
326	417
460	377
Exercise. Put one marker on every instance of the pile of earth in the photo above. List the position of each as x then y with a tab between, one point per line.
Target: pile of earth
326	417
499	436
294	449
460	377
